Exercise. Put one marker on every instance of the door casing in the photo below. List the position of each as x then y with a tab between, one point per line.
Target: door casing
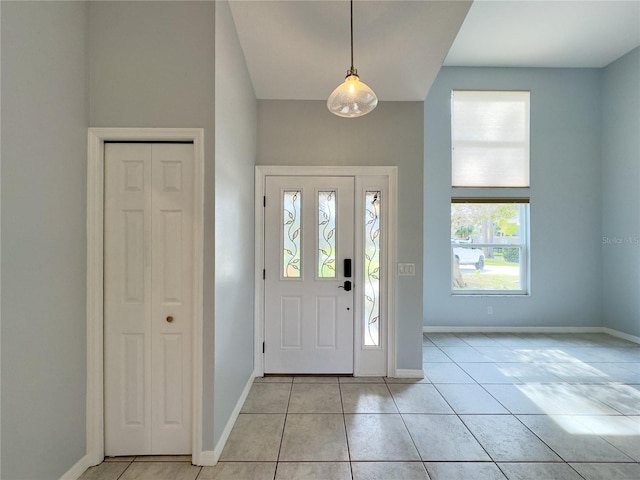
390	224
95	286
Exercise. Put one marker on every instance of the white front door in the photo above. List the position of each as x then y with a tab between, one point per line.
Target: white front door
148	260
309	242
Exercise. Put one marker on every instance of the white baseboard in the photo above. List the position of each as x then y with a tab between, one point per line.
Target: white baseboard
213	457
207	459
430	329
609	331
77	470
408	373
625	336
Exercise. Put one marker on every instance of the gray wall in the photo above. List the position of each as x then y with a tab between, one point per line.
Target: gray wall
44	120
152	64
621	193
235	158
306	133
566	218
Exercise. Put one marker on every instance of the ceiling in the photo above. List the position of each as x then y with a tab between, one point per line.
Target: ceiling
571	34
300	50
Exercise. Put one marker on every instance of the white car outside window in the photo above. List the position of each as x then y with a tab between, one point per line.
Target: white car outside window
468	255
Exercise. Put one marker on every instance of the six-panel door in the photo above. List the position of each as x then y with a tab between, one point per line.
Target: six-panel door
309	232
148	257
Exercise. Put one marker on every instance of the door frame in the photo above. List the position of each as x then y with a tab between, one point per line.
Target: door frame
95	284
390	223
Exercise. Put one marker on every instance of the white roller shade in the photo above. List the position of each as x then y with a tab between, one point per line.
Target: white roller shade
490	139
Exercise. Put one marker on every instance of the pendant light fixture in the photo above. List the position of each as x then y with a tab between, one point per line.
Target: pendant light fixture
352	98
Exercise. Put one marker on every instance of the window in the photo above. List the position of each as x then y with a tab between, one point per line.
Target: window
327	234
490	139
292	250
371	262
489	225
488	246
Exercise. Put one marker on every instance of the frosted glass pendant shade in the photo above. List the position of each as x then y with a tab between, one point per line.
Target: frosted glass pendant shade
352	98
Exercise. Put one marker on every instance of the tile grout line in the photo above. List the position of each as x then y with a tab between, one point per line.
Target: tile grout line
422	460
284	425
454	410
346	435
128	465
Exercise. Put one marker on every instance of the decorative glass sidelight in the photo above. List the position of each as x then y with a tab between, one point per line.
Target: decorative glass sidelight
292	249
372	269
327	234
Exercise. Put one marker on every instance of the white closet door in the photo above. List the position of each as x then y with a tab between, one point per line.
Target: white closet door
171	293
148	253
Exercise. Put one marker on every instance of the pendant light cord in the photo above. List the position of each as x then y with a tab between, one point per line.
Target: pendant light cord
352	98
352	35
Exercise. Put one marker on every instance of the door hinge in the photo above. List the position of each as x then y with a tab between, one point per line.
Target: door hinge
264	274
262	347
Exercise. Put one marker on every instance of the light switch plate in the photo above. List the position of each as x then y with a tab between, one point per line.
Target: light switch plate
407	269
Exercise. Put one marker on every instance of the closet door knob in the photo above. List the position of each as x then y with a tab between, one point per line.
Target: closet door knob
169	319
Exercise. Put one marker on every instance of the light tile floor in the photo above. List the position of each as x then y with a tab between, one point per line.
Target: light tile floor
491	406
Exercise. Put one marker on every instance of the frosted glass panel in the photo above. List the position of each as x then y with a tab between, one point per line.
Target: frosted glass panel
327	234
372	269
490	139
292	226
